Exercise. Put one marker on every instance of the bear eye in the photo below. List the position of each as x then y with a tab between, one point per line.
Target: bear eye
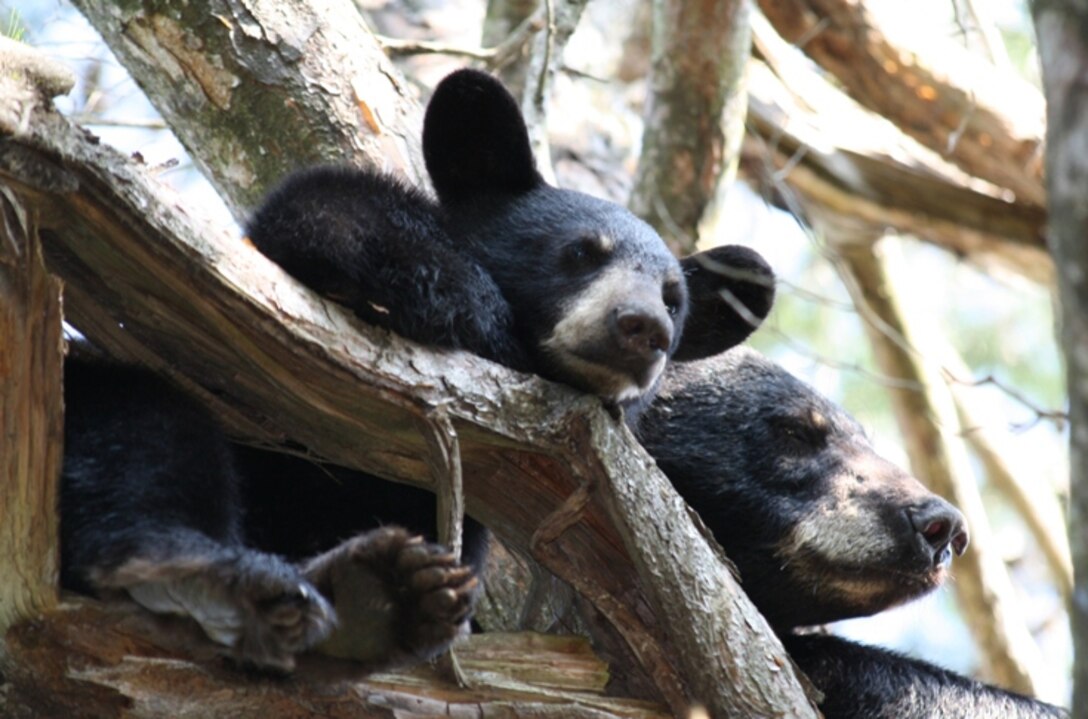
673	297
808	431
587	252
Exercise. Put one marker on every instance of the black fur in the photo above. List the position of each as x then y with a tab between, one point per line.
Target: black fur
862	682
757	452
151	502
819	526
297	508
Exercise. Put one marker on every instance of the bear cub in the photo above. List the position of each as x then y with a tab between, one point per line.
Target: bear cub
159	507
536	278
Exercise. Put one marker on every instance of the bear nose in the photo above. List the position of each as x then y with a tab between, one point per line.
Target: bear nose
640	331
941	526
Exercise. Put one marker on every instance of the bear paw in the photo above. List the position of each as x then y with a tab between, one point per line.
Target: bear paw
280	619
399	599
256	605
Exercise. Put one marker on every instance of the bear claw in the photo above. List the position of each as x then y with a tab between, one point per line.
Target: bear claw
398	598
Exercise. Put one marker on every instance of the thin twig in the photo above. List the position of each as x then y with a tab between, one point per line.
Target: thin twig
493	57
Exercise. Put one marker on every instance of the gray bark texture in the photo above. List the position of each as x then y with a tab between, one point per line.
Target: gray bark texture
550	472
255	90
694	114
1062	31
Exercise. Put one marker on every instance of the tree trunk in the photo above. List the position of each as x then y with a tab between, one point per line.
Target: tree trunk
1060	26
694	115
256	90
31	350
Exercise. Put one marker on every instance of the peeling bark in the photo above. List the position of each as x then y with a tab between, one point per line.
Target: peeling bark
31	351
117	664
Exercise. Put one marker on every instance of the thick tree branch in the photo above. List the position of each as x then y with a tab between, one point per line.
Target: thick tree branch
988	123
147	280
825	157
256	90
125	665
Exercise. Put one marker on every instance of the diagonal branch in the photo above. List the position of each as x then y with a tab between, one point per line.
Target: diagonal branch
255	90
929	425
988	123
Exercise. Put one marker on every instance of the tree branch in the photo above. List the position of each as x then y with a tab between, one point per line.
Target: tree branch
1036	505
825	157
148	281
988	123
256	90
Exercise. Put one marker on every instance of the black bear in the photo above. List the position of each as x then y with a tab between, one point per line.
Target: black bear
820	527
152	507
539	279
157	505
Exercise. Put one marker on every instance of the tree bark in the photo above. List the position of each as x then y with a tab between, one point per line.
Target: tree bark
124	665
256	90
928	424
694	114
988	123
1063	50
545	468
823	157
31	350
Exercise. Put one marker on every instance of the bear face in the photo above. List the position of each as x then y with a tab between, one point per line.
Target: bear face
539	279
820	526
595	293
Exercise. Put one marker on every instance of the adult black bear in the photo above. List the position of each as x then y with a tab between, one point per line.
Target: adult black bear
157	505
820	528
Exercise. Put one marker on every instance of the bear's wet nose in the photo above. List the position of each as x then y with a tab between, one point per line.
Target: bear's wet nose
641	331
941	526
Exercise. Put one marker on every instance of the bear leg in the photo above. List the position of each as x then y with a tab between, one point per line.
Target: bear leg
257	605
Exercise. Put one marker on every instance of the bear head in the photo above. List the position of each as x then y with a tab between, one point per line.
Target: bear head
596	296
820	527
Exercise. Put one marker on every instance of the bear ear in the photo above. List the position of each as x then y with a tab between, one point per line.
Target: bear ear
474	140
720	282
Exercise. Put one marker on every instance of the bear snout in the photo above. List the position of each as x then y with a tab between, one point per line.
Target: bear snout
640	331
940	528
